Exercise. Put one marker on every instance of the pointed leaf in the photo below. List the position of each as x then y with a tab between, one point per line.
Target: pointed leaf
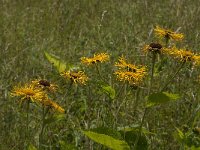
108	141
161	98
57	63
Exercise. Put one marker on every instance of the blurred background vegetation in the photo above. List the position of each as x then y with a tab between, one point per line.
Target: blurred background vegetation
72	29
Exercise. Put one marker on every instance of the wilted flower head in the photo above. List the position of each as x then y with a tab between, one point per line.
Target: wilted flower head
76	77
102	57
153	47
29	92
168	34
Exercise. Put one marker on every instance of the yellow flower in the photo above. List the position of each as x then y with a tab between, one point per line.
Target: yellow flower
153	47
45	85
53	105
181	54
168	34
123	64
129	72
29	92
102	57
76	77
197	59
131	77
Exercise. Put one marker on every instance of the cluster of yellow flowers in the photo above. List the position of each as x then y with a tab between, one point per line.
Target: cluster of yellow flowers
79	77
183	55
127	72
36	92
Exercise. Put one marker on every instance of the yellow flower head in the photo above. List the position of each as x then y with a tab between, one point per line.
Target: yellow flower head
76	77
45	85
53	105
153	47
197	59
102	57
181	54
123	64
129	72
29	92
168	34
131	77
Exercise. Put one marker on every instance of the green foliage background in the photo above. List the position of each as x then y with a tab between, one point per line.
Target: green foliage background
71	29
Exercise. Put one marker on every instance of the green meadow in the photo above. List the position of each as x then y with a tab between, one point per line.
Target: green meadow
40	40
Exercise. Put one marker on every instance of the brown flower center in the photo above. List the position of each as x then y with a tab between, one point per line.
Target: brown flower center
44	83
155	46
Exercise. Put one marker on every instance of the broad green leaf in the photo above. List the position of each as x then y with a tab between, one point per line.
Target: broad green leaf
31	147
57	63
109	90
54	118
161	98
108	141
134	128
66	146
107	131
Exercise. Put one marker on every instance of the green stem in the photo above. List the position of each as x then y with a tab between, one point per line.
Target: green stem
136	101
43	126
140	129
27	122
98	71
122	97
42	130
146	108
152	72
171	78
